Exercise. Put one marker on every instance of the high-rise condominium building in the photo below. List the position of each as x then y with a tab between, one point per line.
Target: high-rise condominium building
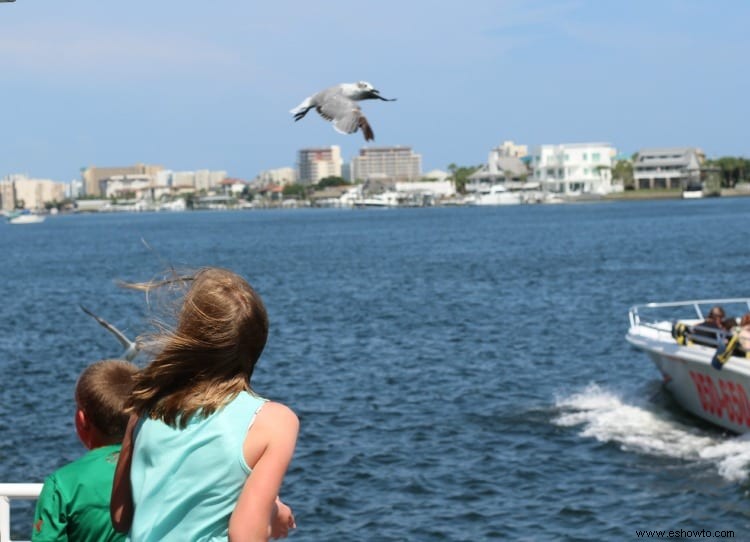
318	163
391	163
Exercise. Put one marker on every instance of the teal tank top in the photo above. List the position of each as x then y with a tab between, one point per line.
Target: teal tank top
186	482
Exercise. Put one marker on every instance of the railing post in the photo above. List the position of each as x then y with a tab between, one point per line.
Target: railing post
9	492
4	519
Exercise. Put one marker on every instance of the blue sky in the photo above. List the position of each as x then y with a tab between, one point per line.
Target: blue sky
193	85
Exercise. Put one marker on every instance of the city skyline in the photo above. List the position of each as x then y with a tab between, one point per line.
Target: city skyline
190	87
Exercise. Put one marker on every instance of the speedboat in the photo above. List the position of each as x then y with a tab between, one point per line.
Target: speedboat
703	368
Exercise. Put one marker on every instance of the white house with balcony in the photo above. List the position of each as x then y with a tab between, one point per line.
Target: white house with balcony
574	169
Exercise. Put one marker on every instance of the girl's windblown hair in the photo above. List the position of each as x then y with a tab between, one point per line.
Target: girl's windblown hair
209	356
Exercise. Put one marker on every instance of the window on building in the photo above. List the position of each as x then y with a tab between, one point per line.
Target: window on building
595	157
585	156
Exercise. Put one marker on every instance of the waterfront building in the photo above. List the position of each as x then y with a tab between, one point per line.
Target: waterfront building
202	180
74	189
133	186
436	175
498	170
346	171
208	180
232	186
280	177
314	164
504	166
668	167
386	163
7	195
509	149
19	191
158	184
574	169
182	181
93	177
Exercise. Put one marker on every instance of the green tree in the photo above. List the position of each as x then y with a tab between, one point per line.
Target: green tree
295	191
331	181
623	171
732	170
247	194
460	175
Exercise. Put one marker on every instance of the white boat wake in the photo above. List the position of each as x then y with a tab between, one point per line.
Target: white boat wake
647	429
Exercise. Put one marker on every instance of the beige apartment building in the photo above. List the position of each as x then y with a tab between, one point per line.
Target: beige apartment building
315	164
387	163
279	177
19	191
7	195
93	176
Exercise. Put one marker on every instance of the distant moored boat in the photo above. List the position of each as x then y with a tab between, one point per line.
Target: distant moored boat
25	218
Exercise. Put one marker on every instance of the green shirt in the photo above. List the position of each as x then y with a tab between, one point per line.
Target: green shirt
74	502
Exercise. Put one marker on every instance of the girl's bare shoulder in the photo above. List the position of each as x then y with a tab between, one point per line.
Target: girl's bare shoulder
274	414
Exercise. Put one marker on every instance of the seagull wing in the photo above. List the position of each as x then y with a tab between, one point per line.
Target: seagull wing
345	114
342	111
129	345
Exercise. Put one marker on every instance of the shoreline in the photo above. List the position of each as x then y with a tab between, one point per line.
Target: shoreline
637	195
630	195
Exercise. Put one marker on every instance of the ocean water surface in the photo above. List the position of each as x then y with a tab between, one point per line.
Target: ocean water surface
460	374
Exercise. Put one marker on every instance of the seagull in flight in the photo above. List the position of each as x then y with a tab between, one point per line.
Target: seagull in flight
338	105
131	348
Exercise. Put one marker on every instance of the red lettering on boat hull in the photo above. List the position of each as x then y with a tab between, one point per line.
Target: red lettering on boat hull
727	399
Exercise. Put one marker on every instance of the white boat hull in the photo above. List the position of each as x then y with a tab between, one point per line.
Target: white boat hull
26	219
499	198
692	194
719	396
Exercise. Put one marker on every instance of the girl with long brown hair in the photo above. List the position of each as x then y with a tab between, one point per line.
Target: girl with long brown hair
204	457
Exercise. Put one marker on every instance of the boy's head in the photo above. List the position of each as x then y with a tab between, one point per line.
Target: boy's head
101	394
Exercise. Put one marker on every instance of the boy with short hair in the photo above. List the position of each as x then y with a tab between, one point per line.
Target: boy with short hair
74	502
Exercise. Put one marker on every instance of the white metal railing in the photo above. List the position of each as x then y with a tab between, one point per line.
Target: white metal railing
635	312
14	491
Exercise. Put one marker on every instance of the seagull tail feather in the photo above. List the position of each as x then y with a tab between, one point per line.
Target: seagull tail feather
302	108
366	129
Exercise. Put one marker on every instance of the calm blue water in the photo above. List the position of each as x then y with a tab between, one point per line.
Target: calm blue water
461	374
